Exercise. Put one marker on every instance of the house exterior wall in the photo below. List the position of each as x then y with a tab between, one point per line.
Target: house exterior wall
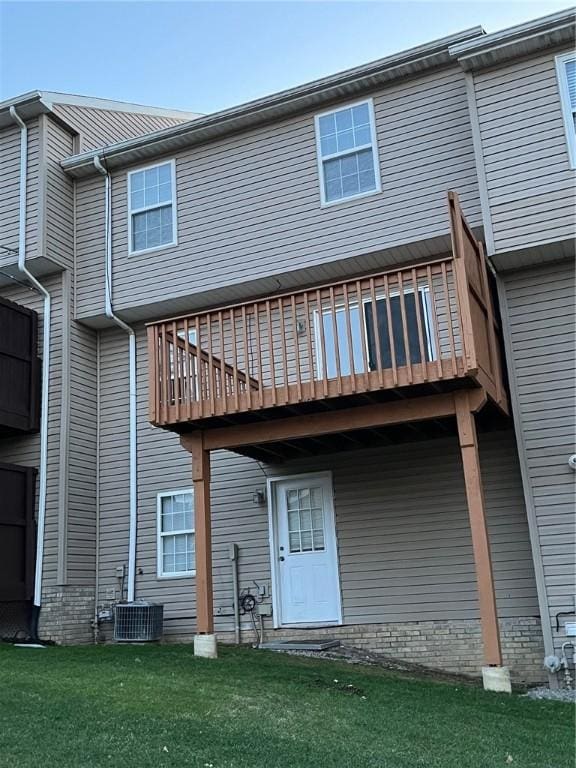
529	180
10	184
405	551
58	195
249	204
541	323
70	546
249	210
25	449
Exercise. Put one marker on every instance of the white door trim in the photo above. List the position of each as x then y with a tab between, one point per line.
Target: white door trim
271	484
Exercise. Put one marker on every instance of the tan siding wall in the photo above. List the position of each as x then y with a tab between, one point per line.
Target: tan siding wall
98	127
541	308
249	205
81	541
26	449
530	183
59	196
404	540
10	187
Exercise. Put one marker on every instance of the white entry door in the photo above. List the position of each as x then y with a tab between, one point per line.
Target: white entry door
306	558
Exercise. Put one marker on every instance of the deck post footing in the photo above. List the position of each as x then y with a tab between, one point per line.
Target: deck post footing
496	679
205	646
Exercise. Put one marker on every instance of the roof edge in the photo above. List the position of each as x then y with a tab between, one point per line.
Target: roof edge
527	37
35	103
281	104
112	105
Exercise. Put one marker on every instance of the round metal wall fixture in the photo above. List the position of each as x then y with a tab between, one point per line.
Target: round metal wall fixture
248	603
572	461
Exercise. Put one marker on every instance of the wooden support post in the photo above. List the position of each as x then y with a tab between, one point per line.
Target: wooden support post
465	407
194	443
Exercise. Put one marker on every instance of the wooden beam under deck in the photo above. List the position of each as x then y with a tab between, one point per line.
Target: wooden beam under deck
330	422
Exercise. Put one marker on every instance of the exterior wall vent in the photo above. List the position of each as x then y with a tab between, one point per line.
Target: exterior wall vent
138	622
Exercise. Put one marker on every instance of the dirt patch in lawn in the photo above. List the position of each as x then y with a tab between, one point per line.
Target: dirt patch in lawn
351	655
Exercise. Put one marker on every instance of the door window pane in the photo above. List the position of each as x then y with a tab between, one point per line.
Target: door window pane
305	512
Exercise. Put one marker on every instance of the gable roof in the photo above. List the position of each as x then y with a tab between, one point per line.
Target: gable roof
36	103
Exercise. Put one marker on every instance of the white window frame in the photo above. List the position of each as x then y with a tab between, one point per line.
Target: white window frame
424	290
567	109
373	146
132	212
161	534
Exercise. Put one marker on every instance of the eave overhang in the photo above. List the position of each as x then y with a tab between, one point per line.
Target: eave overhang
556	30
29	105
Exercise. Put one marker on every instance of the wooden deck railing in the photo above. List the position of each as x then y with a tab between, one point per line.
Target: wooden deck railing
418	324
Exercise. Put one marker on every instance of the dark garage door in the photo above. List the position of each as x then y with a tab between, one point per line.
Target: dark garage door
17	532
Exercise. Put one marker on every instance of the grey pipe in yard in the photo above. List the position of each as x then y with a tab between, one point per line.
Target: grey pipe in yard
233	555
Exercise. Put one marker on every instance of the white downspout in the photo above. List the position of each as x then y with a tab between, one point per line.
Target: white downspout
132	379
45	355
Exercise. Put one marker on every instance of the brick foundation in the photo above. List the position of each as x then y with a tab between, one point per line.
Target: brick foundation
66	615
450	646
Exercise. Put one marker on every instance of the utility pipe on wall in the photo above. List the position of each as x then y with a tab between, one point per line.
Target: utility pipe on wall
132	377
233	555
45	364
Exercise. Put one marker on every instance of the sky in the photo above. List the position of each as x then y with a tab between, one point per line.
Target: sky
205	56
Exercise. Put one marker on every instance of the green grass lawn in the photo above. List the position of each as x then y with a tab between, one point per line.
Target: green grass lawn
159	706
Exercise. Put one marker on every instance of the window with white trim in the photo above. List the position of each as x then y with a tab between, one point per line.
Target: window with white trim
566	71
152	207
347	152
176	545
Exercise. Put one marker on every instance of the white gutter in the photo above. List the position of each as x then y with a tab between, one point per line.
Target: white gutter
349	83
45	355
132	378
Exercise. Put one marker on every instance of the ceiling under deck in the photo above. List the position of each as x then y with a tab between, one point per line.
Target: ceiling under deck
490	418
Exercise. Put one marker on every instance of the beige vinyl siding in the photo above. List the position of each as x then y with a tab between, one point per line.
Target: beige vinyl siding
10	189
541	311
530	183
98	127
404	540
249	205
81	525
59	196
163	466
25	449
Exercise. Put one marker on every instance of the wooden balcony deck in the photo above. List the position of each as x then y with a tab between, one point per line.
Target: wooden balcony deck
416	330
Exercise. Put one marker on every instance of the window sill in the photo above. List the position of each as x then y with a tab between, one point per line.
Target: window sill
153	250
350	199
172	576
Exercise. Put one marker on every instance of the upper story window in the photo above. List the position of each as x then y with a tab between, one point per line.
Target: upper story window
566	69
347	153
152	207
176	549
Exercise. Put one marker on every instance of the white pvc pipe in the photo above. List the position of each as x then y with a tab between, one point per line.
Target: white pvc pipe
133	478
45	355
